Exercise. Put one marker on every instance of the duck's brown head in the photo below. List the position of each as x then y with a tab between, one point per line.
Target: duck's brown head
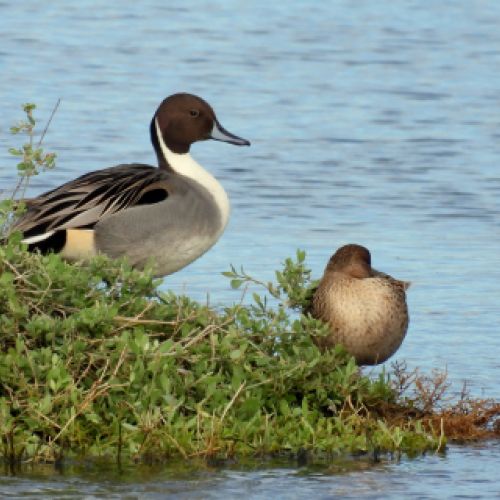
353	260
182	119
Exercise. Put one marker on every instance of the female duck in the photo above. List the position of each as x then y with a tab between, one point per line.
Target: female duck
366	309
168	216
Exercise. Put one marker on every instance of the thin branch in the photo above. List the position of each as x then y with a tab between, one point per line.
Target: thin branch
49	121
233	399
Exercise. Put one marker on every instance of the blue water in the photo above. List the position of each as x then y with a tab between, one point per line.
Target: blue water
371	122
468	473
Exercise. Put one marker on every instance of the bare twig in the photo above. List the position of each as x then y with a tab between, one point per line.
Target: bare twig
233	399
49	121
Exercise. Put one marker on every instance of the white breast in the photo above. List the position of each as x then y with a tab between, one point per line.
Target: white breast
185	165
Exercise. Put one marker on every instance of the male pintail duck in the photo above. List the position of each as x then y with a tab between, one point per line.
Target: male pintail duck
366	309
170	215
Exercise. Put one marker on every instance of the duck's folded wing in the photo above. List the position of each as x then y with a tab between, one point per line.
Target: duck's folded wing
83	202
402	285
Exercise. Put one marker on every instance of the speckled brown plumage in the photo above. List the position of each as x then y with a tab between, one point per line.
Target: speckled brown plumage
366	309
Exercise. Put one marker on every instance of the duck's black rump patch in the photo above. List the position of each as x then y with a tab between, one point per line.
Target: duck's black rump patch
54	243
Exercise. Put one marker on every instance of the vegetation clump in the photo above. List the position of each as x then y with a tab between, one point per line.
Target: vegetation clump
96	361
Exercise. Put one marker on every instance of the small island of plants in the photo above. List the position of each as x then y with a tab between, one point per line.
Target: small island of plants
95	361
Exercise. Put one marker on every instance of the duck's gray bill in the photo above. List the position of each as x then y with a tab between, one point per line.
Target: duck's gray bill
219	133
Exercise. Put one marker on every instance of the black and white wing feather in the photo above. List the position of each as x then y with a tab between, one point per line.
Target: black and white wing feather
84	201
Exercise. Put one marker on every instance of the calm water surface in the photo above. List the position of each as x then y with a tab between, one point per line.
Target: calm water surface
371	122
463	473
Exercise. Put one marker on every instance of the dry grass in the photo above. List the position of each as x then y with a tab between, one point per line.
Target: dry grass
428	398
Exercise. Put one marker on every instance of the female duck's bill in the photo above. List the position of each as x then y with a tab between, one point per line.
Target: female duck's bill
167	216
365	309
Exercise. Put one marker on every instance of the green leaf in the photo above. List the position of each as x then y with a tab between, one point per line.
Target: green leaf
236	283
236	354
284	407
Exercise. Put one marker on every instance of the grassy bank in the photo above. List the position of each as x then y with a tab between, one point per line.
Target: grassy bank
95	361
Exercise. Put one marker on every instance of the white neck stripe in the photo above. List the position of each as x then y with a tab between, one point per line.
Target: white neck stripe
161	142
184	164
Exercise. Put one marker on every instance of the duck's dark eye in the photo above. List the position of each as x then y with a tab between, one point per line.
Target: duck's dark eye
194	113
